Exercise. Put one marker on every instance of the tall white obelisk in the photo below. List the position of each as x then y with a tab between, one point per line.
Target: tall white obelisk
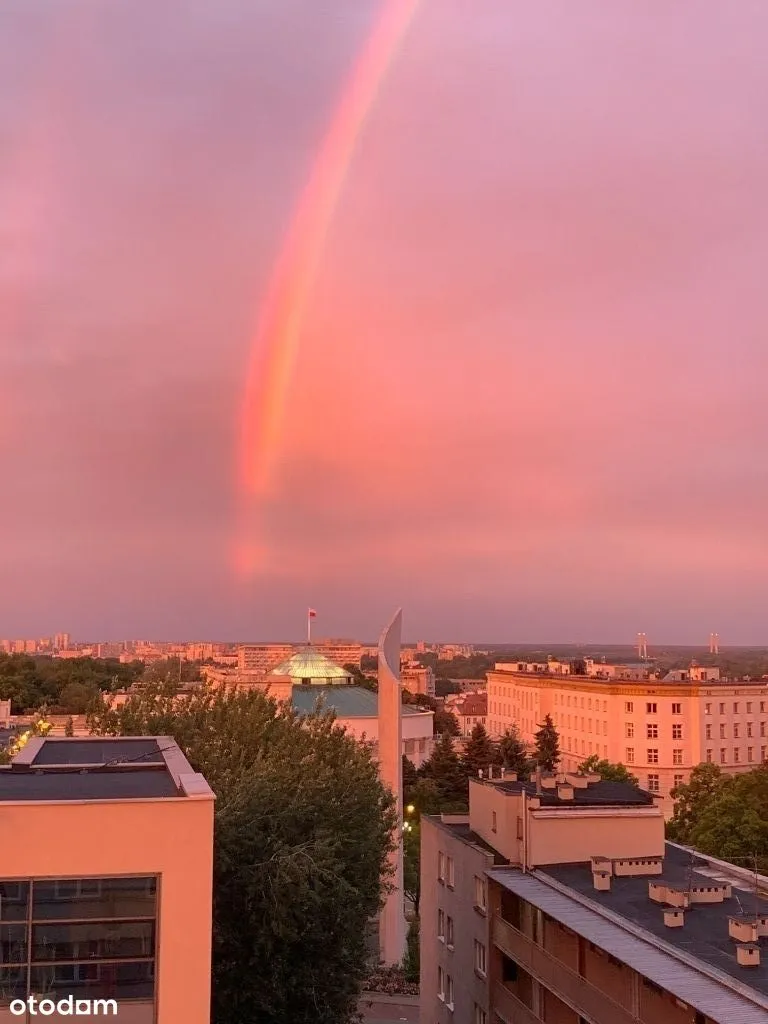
392	925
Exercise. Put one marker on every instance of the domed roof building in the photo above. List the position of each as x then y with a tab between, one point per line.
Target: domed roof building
307	667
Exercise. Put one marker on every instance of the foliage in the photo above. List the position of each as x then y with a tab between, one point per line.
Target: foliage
410	778
426	797
174	670
692	798
547	753
303	829
479	753
392	982
443	768
411	965
412	862
446	723
69	728
30	682
39	727
733	824
607	770
445	687
512	754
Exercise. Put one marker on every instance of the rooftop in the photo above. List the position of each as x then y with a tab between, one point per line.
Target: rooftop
309	665
100	768
598	794
346	701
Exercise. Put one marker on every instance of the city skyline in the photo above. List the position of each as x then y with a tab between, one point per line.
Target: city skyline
528	392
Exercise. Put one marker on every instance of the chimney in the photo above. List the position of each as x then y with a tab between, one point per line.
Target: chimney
601	879
674	917
743	929
565	792
508	775
748	954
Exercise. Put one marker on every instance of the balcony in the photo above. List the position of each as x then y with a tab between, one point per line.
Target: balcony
510	1009
567	985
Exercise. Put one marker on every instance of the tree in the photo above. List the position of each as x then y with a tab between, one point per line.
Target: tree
410	778
425	797
444	769
692	798
303	827
412	967
512	753
76	698
479	753
412	862
69	728
607	770
732	824
547	753
446	722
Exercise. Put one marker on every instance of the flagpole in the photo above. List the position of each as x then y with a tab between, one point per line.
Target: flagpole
309	629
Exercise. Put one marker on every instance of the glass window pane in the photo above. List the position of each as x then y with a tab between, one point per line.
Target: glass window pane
13	984
14	898
96	981
13	944
93	941
83	898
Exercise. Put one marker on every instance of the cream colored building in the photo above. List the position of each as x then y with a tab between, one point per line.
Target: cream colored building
659	729
418	679
105	882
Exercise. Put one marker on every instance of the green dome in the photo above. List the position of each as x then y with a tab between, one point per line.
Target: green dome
308	666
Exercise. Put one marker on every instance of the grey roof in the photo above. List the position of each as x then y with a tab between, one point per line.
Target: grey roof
672	969
56	784
96	752
346	701
598	794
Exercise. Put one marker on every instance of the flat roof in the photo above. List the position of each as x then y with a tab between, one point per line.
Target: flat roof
723	999
100	768
462	832
597	794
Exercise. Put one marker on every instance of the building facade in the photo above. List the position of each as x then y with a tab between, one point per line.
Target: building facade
418	679
659	729
99	903
522	924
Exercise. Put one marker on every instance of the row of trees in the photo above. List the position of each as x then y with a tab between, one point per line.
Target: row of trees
64	685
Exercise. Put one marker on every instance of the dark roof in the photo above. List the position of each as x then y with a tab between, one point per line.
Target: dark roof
346	701
56	784
98	752
466	835
603	793
705	932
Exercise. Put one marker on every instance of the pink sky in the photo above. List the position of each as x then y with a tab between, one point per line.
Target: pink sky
529	401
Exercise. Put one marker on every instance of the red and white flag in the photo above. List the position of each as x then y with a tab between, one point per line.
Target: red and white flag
311	613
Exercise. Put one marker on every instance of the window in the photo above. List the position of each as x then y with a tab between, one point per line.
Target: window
677	709
629	707
441	925
449	932
480	1017
722	709
735	707
56	935
652	731
749	728
722	731
749	707
750	754
735	731
736	755
762	754
479	957
629	755
722	755
677	757
440	983
449	872
653	783
652	755
707	709
709	755
629	730
678	780
449	991
762	707
650	709
708	731
762	728
441	866
677	732
493	821
481	900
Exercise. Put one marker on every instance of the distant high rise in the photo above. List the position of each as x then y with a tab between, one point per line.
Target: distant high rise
714	643
642	646
61	641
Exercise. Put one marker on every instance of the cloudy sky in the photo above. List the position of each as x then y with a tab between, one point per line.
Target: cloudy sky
530	396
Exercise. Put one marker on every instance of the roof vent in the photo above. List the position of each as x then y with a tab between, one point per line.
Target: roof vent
748	954
601	879
743	929
576	780
508	775
674	917
565	792
549	782
678	897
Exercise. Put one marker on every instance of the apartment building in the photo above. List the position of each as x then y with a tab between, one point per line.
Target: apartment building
106	867
261	658
471	710
559	902
418	679
659	729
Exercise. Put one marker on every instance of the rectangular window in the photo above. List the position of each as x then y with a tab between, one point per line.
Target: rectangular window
650	709
493	821
707	709
449	879
652	731
735	731
441	866
629	755
735	707
762	707
722	731
750	754
652	755
722	755
449	932
629	730
678	780
440	983
441	925
677	757
736	755
653	783
722	709
749	728
629	707
762	728
480	958
677	732
708	732
449	991
480	893
709	755
762	754
677	709
749	707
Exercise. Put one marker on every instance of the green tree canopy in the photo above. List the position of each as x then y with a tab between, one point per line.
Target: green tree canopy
303	828
479	752
446	722
547	752
444	769
692	798
608	770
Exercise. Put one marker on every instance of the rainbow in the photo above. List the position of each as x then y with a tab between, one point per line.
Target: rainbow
276	341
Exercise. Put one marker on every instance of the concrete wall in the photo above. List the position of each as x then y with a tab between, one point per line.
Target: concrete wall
172	838
584	833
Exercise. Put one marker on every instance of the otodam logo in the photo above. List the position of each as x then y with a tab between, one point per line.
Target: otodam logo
66	1007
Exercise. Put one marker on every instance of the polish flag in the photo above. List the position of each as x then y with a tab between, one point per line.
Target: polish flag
312	613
